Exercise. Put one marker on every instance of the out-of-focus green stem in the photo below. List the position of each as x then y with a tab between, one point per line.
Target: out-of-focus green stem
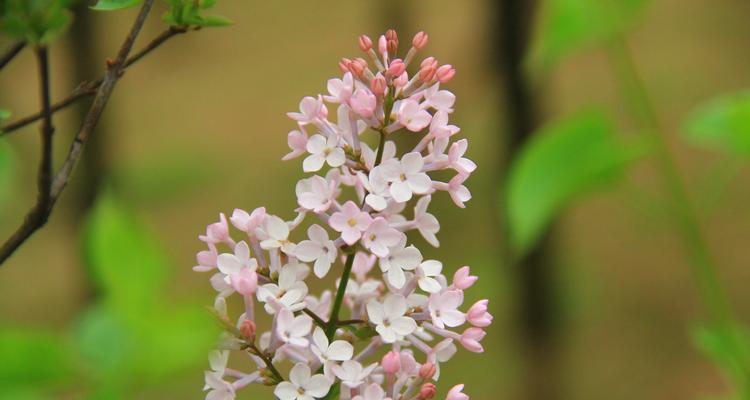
700	259
333	323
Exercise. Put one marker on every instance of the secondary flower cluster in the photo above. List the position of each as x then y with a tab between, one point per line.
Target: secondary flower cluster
384	331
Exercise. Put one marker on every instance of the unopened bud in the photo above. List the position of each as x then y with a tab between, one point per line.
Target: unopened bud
420	40
427	370
365	43
396	68
426	73
344	64
391	362
445	73
377	85
357	67
247	330
429	61
392	41
382	44
427	391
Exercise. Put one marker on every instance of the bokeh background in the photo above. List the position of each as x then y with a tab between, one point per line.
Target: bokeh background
199	127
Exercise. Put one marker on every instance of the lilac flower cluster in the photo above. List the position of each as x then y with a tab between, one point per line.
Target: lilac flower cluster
403	318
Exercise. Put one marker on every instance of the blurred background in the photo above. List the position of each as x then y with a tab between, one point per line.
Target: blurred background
602	305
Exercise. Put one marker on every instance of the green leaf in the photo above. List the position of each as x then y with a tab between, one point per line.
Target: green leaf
189	13
110	5
125	260
32	358
216	21
35	21
563	161
6	173
728	348
723	122
105	345
568	25
4	114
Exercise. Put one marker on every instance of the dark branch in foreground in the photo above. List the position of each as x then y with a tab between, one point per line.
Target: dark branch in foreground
49	188
11	53
90	88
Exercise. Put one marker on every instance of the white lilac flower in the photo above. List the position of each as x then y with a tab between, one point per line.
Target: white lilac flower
406	177
293	330
400	259
379	236
426	223
311	109
303	386
289	292
319	249
351	221
444	308
315	193
389	318
338	350
411	115
372	391
426	273
351	373
217	387
323	150
275	235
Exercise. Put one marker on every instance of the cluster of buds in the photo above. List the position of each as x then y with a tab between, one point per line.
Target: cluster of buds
384	331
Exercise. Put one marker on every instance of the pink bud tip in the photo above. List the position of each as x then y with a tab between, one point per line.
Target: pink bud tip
462	278
247	330
426	73
396	68
391	41
357	67
365	43
427	391
429	61
456	393
382	44
420	40
377	85
427	370
478	315
391	362
344	64
245	282
470	339
445	73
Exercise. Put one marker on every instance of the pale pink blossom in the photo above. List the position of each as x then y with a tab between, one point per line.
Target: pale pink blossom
248	222
315	193
456	393
379	236
389	318
444	309
293	330
363	103
302	385
323	150
412	116
311	109
297	142
351	221
478	315
406	177
319	249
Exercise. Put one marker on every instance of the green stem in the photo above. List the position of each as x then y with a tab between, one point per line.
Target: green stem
333	322
700	259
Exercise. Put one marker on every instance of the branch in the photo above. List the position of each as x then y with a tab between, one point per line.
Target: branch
11	53
49	188
90	88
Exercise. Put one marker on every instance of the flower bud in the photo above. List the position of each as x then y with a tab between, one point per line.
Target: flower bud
382	44
365	43
478	315
427	391
357	67
456	393
429	61
206	258
470	339
391	362
402	80
344	64
462	280
426	73
392	41
218	231
396	68
377	85
445	73
420	40
245	282
247	330
427	370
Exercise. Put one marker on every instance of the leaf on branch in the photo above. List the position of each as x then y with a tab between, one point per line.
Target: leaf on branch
722	122
568	25
35	21
32	358
189	13
110	5
6	173
728	348
563	161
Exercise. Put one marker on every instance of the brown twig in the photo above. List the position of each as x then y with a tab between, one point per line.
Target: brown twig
50	193
266	359
90	88
11	53
315	317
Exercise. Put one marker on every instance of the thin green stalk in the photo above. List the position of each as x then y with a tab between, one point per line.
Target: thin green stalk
700	259
333	322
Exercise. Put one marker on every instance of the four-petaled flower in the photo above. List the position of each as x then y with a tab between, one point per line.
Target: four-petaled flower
351	221
319	248
303	386
406	177
389	318
323	151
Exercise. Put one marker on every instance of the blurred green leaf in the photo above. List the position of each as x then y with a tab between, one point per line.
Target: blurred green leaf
125	260
563	160
4	114
189	13
35	21
109	5
720	344
104	344
32	358
568	25
6	173
723	122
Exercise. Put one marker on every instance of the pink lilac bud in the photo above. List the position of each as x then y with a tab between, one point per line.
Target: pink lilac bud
245	282
365	43
478	315
206	258
426	73
392	41
247	330
396	68
420	40
427	391
427	370
377	85
382	44
470	339
462	278
445	73
344	64
429	61
357	67
391	362
456	393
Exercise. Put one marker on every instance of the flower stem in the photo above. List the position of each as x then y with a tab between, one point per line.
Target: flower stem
689	229
333	322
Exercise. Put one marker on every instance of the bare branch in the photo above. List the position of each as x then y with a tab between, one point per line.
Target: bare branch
38	216
11	53
90	88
